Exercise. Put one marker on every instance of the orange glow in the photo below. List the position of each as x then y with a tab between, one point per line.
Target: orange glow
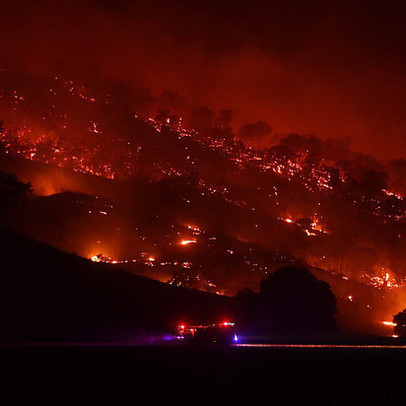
187	242
389	323
110	153
315	225
195	229
309	233
290	221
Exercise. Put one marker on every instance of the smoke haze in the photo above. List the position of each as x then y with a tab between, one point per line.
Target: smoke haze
335	69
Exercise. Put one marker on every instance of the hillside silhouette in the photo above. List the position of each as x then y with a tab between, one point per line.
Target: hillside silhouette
50	295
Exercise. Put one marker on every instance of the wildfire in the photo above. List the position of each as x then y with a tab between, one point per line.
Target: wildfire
317	226
309	233
287	220
90	157
383	281
187	242
96	258
195	229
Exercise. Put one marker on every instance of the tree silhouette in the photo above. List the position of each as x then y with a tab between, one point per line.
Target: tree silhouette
12	191
291	303
400	320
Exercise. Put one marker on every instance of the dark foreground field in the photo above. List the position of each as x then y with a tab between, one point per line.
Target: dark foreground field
201	375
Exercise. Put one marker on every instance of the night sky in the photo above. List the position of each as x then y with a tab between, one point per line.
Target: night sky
335	69
225	173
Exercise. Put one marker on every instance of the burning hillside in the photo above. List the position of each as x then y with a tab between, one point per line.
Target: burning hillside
196	207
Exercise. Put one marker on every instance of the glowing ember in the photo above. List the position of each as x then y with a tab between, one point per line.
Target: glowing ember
389	323
187	242
309	233
287	220
196	230
315	180
96	258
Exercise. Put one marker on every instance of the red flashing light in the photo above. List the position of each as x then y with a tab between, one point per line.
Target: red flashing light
226	323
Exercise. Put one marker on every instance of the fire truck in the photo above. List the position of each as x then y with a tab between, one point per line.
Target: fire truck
221	333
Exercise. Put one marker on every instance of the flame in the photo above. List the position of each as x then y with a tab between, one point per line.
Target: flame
309	233
187	242
389	323
288	220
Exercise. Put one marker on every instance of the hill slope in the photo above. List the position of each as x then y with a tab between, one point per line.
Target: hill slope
47	294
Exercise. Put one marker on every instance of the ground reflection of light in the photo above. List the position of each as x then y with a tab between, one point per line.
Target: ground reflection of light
323	346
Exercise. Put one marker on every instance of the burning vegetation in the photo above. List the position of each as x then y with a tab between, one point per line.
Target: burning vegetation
200	207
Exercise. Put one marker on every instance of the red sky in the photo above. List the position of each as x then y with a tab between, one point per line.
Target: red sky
332	68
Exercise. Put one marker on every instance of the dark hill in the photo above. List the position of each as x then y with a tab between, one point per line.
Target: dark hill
49	295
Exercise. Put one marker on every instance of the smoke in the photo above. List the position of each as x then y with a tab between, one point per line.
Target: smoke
201	118
333	69
256	134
